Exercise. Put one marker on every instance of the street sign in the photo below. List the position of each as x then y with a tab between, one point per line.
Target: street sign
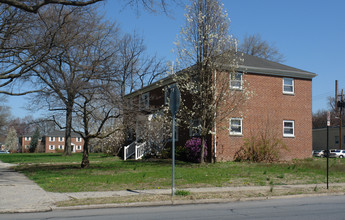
328	119
174	99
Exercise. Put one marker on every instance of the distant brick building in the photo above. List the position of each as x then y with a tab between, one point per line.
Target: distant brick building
54	142
281	103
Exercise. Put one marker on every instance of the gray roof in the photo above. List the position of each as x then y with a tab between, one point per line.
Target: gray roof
253	64
60	134
250	64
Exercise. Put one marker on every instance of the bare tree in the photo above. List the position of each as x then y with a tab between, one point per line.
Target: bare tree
135	67
254	45
206	51
96	110
84	53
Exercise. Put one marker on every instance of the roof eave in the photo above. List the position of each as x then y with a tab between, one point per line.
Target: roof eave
277	72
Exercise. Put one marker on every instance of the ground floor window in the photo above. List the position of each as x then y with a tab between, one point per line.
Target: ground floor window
78	147
235	126
288	128
61	147
51	147
195	128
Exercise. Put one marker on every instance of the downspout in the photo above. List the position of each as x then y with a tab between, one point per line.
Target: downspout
215	118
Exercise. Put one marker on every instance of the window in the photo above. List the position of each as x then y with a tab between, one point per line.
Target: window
61	139
235	126
288	86
51	147
51	138
78	139
236	80
27	146
27	138
78	147
144	101
288	128
195	128
167	93
176	135
61	147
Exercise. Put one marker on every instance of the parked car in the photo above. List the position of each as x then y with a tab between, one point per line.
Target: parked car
337	154
4	152
318	153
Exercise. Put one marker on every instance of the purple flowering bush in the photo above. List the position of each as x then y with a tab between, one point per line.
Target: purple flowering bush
193	149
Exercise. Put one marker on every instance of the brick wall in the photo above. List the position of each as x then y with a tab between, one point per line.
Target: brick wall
56	142
267	109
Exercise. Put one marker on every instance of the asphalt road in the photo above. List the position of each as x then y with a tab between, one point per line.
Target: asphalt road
323	207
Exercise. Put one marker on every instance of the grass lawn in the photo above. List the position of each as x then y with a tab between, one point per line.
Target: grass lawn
56	173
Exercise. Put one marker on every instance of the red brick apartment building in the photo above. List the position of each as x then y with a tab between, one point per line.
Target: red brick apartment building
54	142
281	103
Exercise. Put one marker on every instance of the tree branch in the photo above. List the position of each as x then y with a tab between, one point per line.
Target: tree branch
34	8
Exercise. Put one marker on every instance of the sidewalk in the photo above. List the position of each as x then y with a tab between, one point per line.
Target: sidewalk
19	194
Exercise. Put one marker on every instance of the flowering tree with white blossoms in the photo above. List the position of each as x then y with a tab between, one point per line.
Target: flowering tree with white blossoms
207	54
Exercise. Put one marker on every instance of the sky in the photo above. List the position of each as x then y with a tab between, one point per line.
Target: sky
309	33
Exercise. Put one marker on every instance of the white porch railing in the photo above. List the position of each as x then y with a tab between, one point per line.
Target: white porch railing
134	148
140	150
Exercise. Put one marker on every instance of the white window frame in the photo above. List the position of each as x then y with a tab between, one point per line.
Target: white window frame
28	138
78	147
194	128
144	101
167	93
27	146
51	147
232	132
51	139
234	80
285	127
288	85
61	139
78	139
61	147
176	134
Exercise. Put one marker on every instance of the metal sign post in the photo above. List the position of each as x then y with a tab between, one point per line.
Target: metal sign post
327	155
174	105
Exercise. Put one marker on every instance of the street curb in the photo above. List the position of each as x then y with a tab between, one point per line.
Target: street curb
27	210
188	202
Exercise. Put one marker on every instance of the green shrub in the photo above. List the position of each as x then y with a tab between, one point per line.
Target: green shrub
260	148
182	193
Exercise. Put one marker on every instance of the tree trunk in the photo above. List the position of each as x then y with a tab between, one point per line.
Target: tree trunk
67	150
202	156
85	161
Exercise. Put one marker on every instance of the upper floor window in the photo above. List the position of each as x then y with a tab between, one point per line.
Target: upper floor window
27	138
236	80
288	86
144	101
78	139
61	139
288	128
195	127
235	126
51	138
167	93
